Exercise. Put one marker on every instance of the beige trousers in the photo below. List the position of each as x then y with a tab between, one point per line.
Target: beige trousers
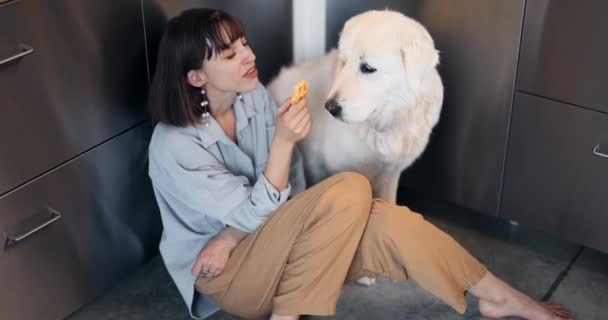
299	259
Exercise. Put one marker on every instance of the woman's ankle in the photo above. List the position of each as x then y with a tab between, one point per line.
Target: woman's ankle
491	289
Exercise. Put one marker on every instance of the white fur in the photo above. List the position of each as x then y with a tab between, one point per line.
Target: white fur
388	115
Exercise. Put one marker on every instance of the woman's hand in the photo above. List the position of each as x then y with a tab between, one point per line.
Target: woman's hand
213	257
293	121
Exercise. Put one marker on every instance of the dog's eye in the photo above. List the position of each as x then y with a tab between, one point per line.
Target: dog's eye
366	68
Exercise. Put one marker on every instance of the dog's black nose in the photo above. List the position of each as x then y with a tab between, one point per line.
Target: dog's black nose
333	107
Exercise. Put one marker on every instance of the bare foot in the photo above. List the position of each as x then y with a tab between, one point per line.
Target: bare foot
534	310
497	299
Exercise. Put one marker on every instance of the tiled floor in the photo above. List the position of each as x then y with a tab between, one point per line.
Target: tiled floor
537	264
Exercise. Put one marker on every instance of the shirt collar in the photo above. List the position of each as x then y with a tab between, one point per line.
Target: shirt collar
243	109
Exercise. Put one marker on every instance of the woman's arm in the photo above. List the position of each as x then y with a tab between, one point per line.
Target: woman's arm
279	163
232	236
293	124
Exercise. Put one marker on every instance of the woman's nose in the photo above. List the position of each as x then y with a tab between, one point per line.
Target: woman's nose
249	56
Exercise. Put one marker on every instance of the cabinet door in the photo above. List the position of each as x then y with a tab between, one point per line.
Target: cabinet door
71	234
564	52
557	170
478	43
267	22
83	83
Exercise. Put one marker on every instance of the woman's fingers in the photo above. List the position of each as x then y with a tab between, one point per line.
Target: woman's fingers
198	265
208	266
284	107
302	104
302	122
211	271
298	118
298	127
295	111
304	128
307	129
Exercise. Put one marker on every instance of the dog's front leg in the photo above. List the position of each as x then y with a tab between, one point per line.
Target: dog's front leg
386	184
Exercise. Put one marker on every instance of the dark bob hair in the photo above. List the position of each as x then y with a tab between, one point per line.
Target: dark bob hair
188	39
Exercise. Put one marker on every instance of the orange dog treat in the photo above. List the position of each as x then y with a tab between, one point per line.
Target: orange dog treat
299	91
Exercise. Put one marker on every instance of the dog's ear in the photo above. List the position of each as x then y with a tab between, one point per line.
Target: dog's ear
419	58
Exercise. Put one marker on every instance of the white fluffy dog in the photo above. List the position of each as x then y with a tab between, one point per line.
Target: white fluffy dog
374	101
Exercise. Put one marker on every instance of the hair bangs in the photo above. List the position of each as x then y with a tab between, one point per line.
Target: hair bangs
223	31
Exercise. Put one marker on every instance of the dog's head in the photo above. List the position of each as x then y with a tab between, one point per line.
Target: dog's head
384	58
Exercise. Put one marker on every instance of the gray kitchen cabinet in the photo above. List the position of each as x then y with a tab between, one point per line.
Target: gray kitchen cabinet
102	224
77	212
83	82
268	24
478	43
557	168
564	52
557	161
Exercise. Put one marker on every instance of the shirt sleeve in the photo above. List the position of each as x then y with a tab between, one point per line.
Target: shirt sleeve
201	182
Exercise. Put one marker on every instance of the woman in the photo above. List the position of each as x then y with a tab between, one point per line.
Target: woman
224	163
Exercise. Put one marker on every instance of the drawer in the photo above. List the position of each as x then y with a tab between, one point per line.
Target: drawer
563	56
105	225
84	82
557	170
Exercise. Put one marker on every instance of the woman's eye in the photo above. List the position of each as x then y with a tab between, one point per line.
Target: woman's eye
230	56
246	44
366	68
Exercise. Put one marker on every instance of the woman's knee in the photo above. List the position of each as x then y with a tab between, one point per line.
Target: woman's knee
353	188
354	183
347	193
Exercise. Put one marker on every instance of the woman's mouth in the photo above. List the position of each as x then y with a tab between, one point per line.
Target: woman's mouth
252	73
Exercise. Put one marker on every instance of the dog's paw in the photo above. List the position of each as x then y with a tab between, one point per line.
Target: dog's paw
365	281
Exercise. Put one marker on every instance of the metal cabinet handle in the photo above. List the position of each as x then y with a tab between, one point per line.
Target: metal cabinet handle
597	152
24	50
31	226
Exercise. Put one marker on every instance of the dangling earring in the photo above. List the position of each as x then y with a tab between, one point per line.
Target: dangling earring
204	104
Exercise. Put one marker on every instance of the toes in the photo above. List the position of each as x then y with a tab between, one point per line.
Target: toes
558	310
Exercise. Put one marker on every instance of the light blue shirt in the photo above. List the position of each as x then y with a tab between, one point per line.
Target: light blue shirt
203	181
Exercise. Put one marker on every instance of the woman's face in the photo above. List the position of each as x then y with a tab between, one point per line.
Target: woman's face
232	70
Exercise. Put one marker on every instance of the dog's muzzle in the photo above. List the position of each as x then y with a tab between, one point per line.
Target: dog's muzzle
334	108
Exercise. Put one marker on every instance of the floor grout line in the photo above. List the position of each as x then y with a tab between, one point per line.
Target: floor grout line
562	275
